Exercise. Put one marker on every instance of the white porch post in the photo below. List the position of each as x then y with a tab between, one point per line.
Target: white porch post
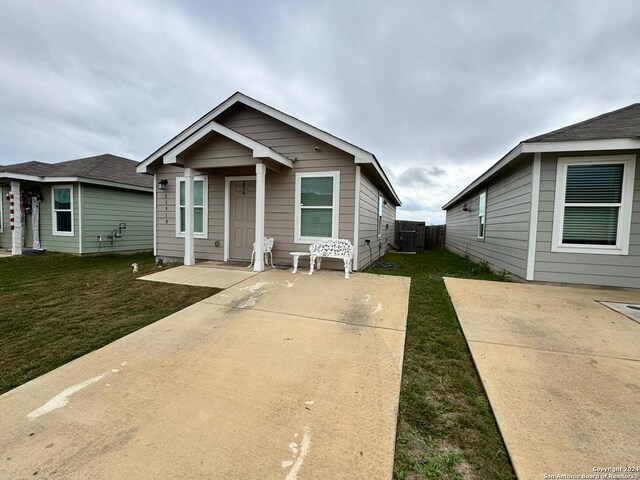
16	216
261	170
189	255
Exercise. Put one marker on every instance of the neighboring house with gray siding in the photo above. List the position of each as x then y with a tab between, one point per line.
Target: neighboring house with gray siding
560	207
246	170
79	206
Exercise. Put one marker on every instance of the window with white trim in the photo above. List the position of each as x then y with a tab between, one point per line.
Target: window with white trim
593	202
317	206
200	202
62	210
482	214
380	206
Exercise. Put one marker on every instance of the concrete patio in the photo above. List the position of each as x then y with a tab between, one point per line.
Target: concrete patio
561	370
279	376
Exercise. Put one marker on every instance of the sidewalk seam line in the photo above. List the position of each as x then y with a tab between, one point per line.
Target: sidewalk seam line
554	351
303	316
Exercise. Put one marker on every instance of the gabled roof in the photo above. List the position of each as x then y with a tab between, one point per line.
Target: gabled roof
102	168
615	130
360	155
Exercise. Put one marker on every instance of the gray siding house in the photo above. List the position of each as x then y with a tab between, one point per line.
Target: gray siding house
559	207
246	170
79	206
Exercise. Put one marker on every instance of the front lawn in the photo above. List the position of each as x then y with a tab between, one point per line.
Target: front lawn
55	307
446	429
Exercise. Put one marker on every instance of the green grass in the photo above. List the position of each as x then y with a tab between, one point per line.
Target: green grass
446	429
55	307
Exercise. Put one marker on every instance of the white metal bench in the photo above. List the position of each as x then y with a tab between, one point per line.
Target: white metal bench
327	248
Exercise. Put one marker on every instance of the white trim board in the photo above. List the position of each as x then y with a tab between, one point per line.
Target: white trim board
227	209
80	219
155	215
356	218
545	147
533	215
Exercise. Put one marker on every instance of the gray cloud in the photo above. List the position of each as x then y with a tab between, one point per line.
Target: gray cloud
420	177
423	84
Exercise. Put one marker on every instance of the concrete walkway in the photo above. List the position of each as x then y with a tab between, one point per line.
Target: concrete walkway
280	376
562	373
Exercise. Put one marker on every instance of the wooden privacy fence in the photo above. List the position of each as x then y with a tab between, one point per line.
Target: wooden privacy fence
416	236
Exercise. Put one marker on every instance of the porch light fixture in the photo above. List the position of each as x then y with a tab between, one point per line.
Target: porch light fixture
162	184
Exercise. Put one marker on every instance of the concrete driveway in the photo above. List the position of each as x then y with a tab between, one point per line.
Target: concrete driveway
280	376
562	373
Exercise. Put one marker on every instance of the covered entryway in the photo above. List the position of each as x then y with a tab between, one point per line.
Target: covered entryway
242	217
213	148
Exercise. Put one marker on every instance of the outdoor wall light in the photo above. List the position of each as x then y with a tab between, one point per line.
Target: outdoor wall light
465	208
162	184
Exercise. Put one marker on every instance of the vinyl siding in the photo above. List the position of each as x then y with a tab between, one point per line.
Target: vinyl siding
368	223
507	222
279	188
591	269
104	208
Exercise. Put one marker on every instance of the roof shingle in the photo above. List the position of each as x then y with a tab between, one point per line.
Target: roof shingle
101	167
622	123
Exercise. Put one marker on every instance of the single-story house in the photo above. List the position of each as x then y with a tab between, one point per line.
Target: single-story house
560	207
245	171
90	205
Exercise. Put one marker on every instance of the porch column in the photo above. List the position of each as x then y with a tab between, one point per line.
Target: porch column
15	214
261	171
189	255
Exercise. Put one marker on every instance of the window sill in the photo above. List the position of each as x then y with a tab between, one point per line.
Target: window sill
309	240
201	236
63	234
589	250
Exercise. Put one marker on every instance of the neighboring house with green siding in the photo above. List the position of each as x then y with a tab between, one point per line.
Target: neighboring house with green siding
560	207
246	171
86	206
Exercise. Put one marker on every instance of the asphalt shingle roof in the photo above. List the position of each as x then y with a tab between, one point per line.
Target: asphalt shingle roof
101	167
622	123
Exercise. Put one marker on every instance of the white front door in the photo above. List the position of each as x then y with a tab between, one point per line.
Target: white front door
242	221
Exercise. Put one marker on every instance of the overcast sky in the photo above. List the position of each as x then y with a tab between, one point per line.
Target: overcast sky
438	90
